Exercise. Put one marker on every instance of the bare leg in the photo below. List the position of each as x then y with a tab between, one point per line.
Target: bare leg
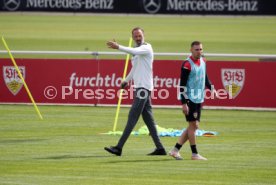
183	138
193	126
189	133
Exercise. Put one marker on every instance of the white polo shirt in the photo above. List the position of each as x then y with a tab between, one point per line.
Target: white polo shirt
141	71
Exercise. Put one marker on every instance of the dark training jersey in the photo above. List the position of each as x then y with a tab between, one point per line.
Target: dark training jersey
185	72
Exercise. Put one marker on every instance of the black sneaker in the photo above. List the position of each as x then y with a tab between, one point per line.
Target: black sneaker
157	151
114	150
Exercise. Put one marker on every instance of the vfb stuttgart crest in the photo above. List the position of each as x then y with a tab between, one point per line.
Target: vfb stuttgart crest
233	81
12	79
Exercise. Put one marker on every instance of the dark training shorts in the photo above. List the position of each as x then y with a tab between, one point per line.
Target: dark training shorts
194	111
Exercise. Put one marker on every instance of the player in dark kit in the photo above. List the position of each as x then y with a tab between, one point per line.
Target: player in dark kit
194	79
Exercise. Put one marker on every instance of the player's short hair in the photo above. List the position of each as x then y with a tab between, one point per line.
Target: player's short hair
137	28
195	43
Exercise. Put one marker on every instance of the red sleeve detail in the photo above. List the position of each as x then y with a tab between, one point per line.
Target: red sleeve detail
187	65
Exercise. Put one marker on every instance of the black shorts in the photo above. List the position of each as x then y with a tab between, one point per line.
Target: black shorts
194	111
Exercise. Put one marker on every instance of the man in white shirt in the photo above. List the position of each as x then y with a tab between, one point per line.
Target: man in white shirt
141	74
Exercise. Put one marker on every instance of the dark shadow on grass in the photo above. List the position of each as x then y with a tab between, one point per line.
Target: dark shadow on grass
119	159
14	141
138	160
61	157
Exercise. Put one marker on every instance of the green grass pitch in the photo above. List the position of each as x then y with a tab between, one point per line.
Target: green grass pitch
233	34
67	148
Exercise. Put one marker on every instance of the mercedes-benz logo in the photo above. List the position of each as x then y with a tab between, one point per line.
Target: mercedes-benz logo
152	6
12	5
